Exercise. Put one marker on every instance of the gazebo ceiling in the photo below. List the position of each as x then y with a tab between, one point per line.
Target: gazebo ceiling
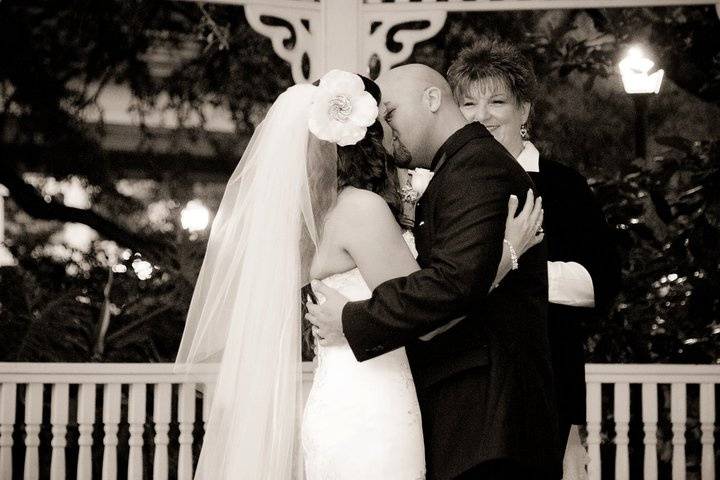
346	34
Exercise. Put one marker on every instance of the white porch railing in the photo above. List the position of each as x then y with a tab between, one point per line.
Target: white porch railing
42	403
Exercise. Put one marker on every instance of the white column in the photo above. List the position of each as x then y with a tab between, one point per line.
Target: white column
621	410
678	417
111	419
650	418
33	419
85	420
161	417
136	420
59	419
340	43
186	419
8	398
594	419
707	426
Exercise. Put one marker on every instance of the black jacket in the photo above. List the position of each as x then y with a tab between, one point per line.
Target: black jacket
575	231
485	386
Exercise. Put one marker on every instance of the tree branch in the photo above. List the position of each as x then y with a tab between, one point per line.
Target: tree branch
29	199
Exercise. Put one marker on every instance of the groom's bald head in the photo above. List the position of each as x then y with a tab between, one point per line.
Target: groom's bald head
420	108
414	77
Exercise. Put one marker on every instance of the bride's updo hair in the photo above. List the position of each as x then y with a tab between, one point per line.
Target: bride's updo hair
367	165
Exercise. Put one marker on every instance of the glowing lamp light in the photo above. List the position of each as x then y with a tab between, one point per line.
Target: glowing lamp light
195	216
143	269
635	72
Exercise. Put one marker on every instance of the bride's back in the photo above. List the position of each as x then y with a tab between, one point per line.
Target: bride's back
331	257
361	231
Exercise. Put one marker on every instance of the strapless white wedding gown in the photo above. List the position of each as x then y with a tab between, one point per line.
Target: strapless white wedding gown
362	419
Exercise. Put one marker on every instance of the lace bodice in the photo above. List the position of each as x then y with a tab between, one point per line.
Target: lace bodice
350	284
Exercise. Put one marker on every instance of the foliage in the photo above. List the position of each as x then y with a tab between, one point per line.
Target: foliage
668	225
60	304
58	56
57	60
581	116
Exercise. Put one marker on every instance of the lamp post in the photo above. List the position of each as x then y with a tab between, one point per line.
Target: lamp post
6	257
3	193
640	84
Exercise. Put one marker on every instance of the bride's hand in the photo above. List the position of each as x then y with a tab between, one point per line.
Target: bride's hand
522	231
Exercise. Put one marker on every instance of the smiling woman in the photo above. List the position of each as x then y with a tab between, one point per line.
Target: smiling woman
494	84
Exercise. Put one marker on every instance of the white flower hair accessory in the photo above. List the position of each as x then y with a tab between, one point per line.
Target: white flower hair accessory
342	110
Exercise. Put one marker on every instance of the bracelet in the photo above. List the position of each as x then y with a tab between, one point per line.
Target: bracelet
513	254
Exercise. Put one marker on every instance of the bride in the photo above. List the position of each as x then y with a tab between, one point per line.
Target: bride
316	168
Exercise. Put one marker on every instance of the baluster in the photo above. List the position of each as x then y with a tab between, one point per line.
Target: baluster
650	418
33	418
678	417
8	396
594	417
707	426
85	419
111	418
136	419
207	402
59	421
186	418
161	415
621	409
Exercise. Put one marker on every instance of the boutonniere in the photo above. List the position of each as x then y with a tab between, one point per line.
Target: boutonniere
416	185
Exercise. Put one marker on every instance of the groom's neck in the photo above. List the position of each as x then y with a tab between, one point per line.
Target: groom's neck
448	123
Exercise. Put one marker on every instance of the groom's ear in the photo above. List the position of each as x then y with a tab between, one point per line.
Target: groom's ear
432	98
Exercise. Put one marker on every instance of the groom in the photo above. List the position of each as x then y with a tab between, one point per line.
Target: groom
485	385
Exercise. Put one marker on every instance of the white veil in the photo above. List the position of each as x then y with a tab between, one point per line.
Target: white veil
245	315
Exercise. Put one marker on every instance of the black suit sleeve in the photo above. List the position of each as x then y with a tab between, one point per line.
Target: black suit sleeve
469	222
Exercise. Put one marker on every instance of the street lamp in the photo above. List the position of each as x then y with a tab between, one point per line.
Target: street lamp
195	216
6	257
640	84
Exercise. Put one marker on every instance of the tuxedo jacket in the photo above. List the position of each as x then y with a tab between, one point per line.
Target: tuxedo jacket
484	386
575	231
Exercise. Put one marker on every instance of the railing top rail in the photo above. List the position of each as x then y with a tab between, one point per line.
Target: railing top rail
32	372
28	372
652	373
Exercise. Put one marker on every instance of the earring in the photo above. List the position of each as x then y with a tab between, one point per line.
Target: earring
524	132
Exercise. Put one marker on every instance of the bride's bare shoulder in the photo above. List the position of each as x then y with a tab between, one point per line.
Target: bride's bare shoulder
355	201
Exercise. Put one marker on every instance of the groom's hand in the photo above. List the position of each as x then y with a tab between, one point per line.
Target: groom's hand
326	316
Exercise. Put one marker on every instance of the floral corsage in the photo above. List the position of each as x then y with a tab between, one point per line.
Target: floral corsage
411	192
416	185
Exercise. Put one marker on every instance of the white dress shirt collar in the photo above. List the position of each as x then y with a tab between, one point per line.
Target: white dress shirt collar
529	158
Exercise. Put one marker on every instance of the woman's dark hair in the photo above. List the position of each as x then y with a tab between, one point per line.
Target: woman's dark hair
493	59
367	165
